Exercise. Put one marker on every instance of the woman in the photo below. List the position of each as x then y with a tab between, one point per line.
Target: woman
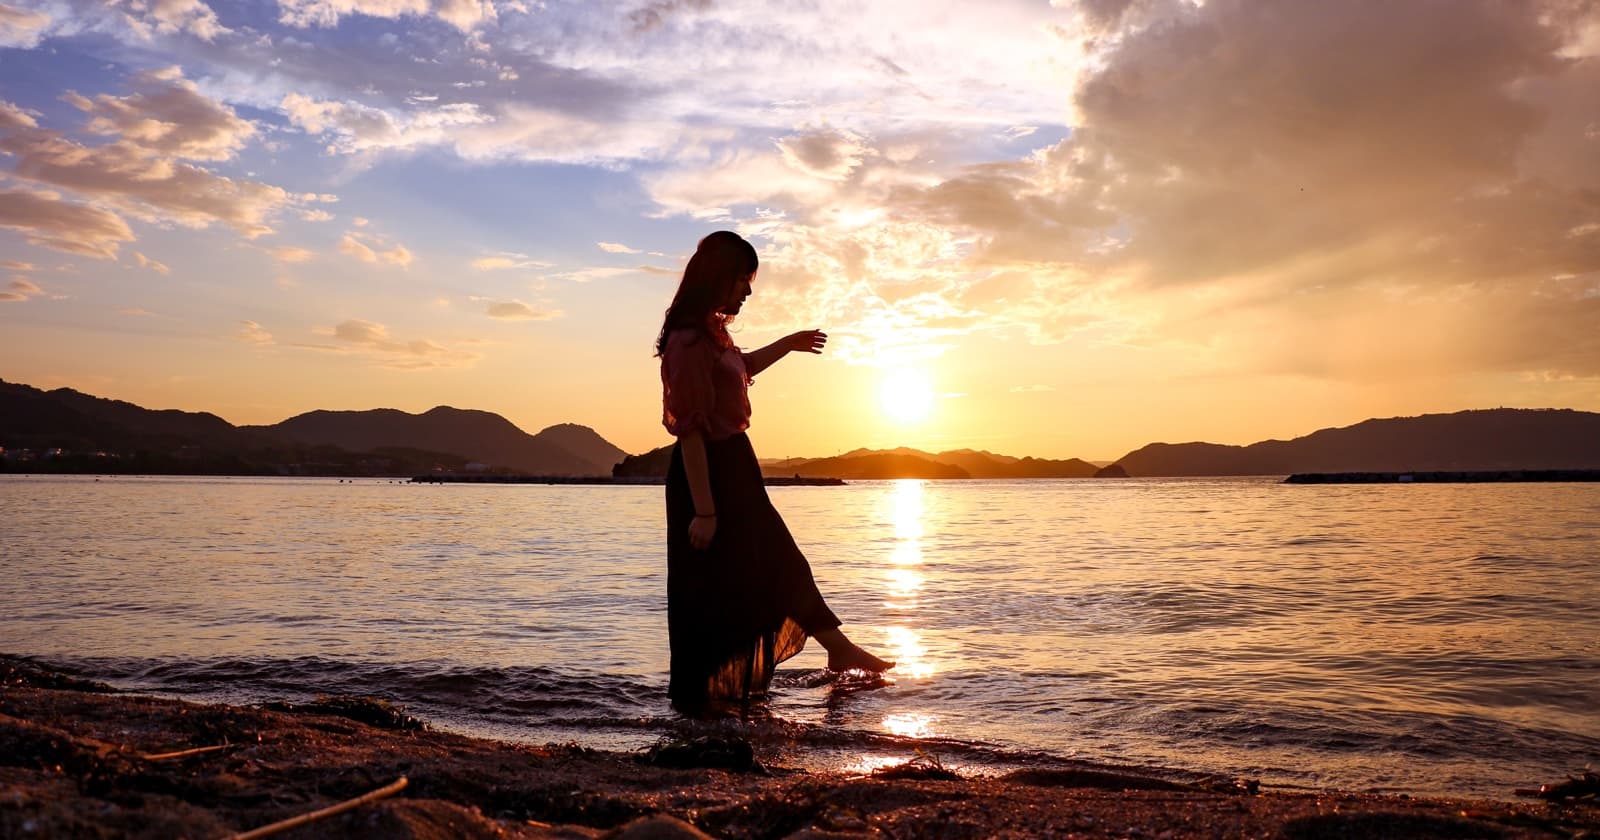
740	597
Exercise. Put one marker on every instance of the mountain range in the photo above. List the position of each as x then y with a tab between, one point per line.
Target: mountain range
85	433
97	434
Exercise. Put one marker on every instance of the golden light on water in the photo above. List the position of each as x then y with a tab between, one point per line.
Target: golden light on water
910	724
904	580
907	513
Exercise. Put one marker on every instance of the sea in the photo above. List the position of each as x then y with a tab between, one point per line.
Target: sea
1410	638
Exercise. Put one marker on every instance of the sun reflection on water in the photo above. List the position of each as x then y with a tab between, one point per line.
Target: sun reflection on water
909	724
904	582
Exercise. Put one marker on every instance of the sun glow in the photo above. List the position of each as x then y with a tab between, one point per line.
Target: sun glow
906	395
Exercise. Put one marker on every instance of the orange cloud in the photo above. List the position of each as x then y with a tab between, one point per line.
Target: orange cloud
46	220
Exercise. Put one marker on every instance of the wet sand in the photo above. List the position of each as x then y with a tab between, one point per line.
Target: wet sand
80	760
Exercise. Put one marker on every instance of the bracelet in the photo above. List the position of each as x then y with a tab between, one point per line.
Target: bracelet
705	516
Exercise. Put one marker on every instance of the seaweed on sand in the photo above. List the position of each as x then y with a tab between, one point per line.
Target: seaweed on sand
368	710
924	766
725	752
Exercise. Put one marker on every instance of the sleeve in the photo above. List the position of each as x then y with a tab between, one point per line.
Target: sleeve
687	392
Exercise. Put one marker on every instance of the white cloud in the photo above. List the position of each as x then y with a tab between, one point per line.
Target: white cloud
22	28
462	14
616	248
168	17
316	215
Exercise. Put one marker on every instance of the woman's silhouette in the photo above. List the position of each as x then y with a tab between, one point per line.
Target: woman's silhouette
740	597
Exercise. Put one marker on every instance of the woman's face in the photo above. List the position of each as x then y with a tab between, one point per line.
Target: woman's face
736	295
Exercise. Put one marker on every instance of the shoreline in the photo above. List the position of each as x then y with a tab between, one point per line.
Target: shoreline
81	759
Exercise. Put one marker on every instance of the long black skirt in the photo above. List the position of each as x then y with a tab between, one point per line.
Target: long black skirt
746	602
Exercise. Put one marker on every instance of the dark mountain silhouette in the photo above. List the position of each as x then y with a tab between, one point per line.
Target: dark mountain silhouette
975	463
68	431
861	467
70	419
1492	439
585	443
475	435
876	465
104	435
652	464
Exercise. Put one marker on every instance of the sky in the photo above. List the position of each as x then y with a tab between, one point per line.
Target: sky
1058	229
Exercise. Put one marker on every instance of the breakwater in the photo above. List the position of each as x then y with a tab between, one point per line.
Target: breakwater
1467	477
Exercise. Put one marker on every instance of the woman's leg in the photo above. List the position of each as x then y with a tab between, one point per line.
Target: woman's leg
845	655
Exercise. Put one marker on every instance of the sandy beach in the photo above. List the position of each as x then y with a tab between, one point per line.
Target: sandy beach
78	759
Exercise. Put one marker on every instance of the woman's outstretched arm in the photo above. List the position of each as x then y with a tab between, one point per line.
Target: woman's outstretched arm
805	341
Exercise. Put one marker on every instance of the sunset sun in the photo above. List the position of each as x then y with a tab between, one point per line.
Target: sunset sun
906	396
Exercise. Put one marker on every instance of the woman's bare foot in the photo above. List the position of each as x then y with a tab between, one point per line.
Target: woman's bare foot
845	655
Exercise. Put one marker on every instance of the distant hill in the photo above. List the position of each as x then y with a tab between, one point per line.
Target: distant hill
96	434
860	467
1492	439
872	464
973	463
68	431
71	419
479	436
875	465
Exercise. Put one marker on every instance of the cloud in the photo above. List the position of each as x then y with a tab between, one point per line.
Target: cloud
353	127
20	289
46	220
137	312
1031	389
514	310
316	215
291	254
143	170
355	244
462	14
22	28
616	248
146	262
653	15
168	17
355	248
1255	190
824	153
505	260
166	115
250	332
373	339
13	265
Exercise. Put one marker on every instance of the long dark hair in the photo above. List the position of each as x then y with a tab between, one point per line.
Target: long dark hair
719	262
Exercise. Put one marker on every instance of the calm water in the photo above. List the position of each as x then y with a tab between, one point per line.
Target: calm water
1419	638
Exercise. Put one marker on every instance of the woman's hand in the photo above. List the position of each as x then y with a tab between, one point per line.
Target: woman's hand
805	341
701	530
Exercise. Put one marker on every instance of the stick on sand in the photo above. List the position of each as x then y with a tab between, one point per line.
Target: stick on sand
331	810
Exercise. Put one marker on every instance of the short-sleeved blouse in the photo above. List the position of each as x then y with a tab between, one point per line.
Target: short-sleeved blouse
704	387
